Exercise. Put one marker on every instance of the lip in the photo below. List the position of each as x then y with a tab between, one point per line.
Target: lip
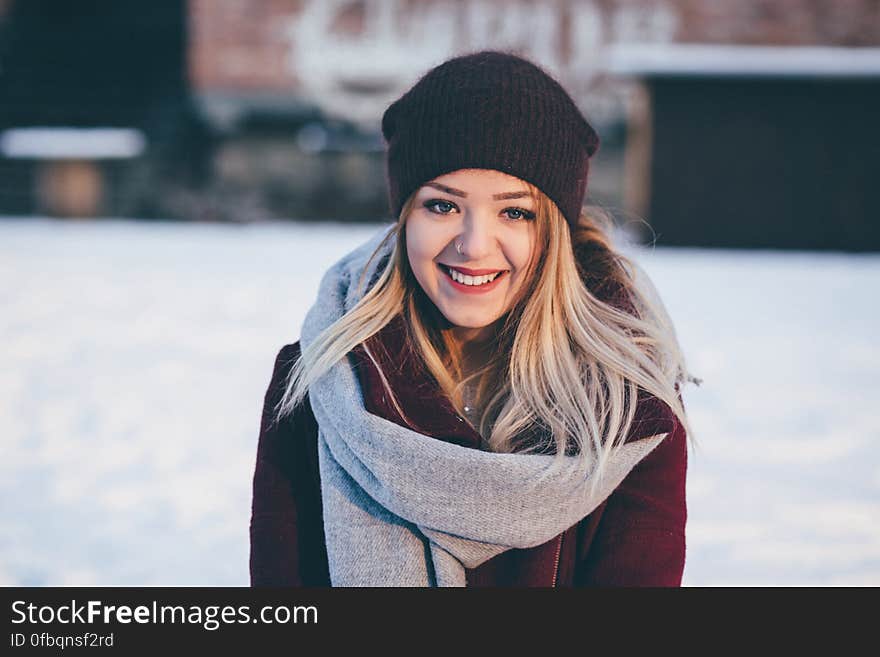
473	272
472	289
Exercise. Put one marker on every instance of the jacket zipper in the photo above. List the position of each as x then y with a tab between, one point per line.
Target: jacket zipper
556	562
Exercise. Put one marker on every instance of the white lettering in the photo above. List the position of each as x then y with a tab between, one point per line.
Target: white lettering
76	615
18	611
387	44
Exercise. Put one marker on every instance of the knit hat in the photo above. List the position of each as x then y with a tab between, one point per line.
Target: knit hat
489	110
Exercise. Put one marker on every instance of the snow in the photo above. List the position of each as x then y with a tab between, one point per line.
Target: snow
135	357
55	143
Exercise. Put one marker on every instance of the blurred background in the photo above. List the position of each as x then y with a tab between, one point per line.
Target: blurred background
175	177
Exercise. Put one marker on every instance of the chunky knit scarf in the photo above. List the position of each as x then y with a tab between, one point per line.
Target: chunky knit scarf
405	509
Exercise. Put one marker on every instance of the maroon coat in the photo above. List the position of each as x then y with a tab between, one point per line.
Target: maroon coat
636	537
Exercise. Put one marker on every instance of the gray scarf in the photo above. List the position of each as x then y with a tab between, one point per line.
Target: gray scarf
405	509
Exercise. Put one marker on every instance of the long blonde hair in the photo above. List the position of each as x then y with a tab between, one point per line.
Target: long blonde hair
584	336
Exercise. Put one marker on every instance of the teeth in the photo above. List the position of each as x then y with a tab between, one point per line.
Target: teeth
471	280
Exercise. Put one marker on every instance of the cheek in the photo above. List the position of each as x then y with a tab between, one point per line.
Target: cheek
520	252
416	243
421	250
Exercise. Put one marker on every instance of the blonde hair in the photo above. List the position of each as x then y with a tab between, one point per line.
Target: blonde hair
584	336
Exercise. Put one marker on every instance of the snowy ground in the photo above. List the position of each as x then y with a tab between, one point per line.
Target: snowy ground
134	358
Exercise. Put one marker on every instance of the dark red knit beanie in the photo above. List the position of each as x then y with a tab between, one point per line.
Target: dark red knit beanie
489	110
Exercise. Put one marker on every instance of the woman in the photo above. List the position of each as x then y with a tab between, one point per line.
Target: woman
483	394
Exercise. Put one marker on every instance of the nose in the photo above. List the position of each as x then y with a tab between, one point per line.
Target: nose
476	240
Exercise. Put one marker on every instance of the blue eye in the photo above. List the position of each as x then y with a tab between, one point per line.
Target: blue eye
439	206
520	214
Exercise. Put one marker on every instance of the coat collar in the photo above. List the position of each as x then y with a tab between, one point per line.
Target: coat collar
428	408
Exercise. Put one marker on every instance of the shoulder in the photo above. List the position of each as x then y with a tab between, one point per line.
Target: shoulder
288	355
283	436
665	467
653	416
284	362
285	359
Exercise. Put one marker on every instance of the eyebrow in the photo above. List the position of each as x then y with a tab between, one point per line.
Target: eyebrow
457	192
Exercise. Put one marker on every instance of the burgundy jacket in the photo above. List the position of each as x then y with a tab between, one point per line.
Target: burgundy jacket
636	537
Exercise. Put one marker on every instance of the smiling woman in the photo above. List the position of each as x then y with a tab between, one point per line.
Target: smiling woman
485	393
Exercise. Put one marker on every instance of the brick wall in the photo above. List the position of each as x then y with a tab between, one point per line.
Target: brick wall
240	44
262	45
851	23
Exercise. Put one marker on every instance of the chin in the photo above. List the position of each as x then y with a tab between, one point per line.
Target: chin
469	322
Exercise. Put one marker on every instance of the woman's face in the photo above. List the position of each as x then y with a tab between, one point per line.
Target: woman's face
491	216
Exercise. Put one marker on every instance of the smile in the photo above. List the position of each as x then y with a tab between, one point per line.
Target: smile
472	284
